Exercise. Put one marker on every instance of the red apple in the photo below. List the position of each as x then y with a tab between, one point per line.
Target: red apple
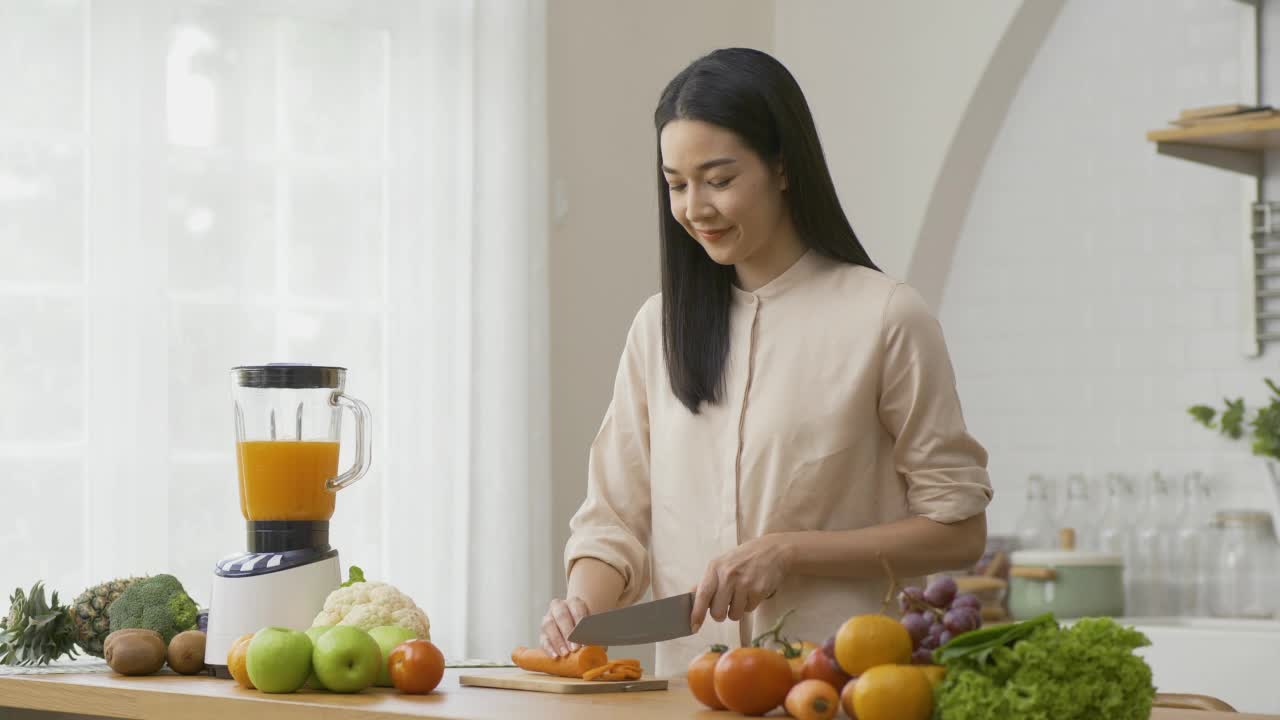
821	666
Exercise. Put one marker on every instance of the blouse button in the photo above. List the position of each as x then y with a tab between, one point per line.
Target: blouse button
751	299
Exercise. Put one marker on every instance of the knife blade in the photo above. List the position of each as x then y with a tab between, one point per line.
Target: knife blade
650	622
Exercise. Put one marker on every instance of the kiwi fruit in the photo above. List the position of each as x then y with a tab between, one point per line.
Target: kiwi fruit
134	651
113	637
186	652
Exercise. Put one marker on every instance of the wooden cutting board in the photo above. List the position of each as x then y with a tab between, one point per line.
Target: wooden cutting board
538	682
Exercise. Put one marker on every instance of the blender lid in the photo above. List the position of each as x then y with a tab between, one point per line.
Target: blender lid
293	376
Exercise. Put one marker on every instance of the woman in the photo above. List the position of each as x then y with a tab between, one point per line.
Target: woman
784	422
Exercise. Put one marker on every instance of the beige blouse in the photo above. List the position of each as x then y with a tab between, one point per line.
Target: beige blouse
840	412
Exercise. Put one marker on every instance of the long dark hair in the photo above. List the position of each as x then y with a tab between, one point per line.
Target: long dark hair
753	95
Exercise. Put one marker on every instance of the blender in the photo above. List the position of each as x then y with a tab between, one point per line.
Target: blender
288	431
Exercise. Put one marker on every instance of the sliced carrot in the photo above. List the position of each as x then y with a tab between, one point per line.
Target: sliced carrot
623	673
628	669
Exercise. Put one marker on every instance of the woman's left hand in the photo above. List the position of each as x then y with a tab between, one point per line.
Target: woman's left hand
738	581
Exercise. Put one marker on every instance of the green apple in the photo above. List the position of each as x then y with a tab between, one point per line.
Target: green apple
388	637
278	659
346	659
314	633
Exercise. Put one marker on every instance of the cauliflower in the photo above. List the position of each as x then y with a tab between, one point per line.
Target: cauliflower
367	605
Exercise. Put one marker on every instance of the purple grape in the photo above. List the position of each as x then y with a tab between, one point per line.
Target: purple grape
936	630
961	620
917	625
944	638
829	647
922	657
928	642
941	592
910	598
967	600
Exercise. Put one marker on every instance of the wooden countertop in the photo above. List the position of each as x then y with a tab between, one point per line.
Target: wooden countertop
161	697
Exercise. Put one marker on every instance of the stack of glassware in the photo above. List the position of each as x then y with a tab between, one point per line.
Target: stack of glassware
1180	557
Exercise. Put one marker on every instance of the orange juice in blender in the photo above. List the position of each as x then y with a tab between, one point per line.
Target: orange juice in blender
288	420
285	479
288	429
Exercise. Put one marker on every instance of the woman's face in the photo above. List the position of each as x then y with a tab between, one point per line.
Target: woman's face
721	191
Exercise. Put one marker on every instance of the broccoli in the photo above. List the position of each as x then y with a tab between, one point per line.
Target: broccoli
157	603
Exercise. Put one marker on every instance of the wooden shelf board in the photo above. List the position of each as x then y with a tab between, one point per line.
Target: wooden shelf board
1256	135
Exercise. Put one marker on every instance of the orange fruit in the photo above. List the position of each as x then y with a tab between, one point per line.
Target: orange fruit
893	692
865	641
236	658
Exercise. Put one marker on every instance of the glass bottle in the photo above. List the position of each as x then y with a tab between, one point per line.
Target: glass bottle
1193	545
1036	528
1154	581
1079	514
1115	530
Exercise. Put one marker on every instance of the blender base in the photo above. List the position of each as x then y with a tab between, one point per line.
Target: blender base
290	597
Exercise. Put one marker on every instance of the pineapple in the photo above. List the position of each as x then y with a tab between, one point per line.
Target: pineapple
90	613
36	631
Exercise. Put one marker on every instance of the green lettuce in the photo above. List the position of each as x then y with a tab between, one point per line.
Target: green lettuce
1088	670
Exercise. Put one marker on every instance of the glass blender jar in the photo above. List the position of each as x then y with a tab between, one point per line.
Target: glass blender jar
288	428
288	421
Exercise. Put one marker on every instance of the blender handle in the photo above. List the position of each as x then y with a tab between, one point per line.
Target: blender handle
363	449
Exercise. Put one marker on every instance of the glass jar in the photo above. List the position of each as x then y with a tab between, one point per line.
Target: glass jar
1247	555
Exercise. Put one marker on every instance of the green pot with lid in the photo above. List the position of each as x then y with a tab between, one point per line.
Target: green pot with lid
1067	583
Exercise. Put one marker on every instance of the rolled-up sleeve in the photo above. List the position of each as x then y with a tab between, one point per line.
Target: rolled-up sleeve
944	467
613	523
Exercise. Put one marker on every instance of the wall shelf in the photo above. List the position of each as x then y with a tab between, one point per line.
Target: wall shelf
1255	134
1229	145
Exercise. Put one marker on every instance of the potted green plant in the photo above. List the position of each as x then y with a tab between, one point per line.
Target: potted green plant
1263	429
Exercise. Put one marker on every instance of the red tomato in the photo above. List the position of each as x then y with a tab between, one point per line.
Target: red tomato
752	680
812	700
702	677
416	666
802	651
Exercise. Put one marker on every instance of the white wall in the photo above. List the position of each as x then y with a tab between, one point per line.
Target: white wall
889	85
1094	293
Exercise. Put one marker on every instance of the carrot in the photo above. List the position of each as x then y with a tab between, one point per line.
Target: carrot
628	669
574	665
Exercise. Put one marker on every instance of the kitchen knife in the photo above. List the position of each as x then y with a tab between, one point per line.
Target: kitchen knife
649	622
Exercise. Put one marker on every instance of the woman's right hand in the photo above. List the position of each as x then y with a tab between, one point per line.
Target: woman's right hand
561	618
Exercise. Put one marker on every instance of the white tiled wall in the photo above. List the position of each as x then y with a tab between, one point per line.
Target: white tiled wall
1095	289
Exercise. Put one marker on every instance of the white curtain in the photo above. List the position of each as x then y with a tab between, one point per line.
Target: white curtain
190	185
